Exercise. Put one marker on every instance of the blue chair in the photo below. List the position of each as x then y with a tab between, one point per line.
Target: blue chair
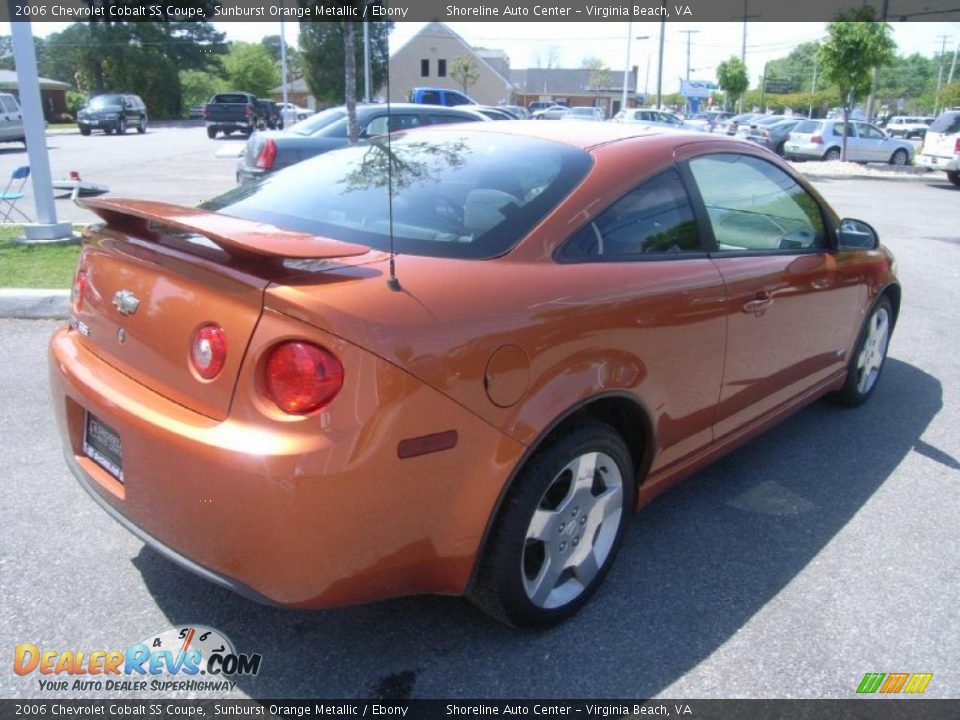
12	194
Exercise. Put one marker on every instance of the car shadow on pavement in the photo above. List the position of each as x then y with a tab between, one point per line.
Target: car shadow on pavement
696	565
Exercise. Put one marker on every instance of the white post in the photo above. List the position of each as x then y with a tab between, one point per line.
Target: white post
626	67
46	228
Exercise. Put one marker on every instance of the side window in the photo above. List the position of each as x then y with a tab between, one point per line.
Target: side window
438	119
9	106
431	97
754	205
397	121
653	218
869	132
455	98
839	127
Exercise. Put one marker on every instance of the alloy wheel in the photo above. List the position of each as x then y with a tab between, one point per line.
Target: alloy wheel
572	531
874	350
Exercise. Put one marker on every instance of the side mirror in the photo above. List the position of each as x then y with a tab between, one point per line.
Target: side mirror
857	234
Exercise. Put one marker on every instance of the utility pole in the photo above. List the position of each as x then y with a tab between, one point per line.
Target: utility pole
688	33
943	51
953	65
663	30
626	68
367	93
875	74
743	49
813	90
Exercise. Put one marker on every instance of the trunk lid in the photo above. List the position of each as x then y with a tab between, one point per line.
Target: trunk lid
157	273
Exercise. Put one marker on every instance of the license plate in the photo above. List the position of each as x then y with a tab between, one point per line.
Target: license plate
94	122
102	445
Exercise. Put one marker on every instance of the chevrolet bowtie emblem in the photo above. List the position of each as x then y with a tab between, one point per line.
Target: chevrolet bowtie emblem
126	302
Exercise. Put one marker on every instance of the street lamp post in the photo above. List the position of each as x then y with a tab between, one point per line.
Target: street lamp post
626	67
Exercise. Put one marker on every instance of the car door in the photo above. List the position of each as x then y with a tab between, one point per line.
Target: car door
854	151
790	303
9	117
644	256
874	142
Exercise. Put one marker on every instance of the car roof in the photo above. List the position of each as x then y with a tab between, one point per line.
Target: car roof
584	134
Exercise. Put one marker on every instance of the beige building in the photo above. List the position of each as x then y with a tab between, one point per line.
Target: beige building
425	60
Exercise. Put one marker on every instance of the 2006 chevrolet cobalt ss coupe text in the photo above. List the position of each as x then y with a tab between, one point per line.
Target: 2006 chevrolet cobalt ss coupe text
571	319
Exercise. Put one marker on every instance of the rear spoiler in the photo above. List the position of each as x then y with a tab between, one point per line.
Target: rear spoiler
235	235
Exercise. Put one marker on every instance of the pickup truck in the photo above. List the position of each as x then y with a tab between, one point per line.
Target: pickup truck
227	112
439	96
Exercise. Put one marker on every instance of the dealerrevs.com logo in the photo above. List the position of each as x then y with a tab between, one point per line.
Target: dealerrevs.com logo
193	658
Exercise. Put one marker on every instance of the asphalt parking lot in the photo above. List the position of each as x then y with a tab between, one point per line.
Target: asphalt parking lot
823	550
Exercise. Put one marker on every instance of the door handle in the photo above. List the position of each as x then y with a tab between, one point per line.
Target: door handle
761	301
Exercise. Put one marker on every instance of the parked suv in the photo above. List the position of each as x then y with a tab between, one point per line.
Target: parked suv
941	145
11	119
908	126
113	112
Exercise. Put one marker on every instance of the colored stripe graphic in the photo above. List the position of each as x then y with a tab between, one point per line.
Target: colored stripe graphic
894	682
918	682
870	682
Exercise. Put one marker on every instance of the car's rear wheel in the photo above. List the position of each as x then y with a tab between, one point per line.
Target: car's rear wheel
900	158
779	150
558	530
142	125
868	358
211	132
954	177
832	154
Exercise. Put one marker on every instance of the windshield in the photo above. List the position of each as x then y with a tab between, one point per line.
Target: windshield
315	123
456	194
102	102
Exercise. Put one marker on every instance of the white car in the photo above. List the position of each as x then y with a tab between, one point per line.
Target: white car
908	126
941	146
291	113
11	119
584	113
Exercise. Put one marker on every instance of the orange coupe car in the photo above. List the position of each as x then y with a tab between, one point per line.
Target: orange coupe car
454	360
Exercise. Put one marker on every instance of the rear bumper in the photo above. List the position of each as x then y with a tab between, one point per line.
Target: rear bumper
305	512
939	162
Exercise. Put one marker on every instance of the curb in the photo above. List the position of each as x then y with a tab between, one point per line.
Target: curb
29	304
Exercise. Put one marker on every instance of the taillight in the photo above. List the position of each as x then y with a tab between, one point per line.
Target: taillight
79	289
208	352
816	140
956	147
301	377
203	112
248	110
267	155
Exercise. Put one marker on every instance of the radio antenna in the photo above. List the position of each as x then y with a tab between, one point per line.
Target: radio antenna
392	281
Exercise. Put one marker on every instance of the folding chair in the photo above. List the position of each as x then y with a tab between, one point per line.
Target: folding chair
8	200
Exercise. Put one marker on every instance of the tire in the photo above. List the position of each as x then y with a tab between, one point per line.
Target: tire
211	132
954	177
84	131
142	125
227	133
900	158
779	150
122	126
832	154
554	539
867	360
108	131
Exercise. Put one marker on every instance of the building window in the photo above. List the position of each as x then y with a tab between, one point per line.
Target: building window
441	68
425	68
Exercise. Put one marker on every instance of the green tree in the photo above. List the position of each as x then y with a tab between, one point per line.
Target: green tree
849	54
796	68
732	79
198	86
250	68
322	53
464	71
599	77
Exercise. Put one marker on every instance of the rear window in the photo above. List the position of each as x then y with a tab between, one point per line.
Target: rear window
455	194
807	126
949	122
315	123
231	98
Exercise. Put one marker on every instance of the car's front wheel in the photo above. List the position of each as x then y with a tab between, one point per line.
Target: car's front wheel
122	126
142	125
558	530
84	130
900	158
869	356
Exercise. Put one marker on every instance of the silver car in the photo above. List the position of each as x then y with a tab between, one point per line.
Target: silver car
651	116
823	139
